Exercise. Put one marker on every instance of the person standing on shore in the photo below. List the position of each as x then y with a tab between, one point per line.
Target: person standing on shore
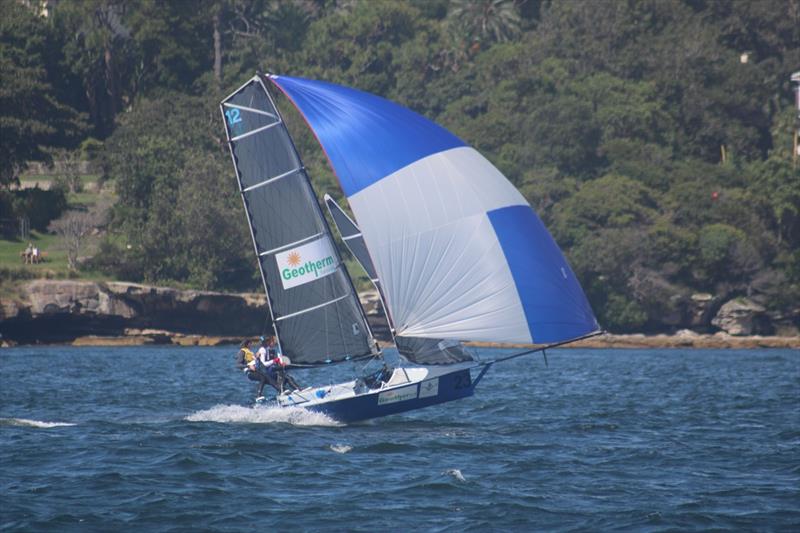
27	255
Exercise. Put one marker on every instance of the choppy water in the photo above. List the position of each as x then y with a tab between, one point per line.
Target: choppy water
164	439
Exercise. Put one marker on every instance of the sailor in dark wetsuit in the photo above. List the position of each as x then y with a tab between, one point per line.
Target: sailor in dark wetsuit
270	360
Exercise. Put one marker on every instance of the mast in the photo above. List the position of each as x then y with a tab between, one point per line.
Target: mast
313	306
261	79
249	220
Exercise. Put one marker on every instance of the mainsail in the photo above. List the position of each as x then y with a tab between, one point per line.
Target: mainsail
313	305
459	252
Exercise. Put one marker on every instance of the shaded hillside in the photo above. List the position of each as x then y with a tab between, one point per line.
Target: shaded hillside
654	138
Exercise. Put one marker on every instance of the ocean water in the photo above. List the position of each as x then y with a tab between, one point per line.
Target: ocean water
166	439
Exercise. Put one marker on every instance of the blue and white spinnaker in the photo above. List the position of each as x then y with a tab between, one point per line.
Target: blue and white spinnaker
459	251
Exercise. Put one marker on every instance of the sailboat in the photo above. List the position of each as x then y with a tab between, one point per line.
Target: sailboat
455	251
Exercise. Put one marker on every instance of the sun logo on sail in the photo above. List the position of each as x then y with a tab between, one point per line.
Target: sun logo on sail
293	259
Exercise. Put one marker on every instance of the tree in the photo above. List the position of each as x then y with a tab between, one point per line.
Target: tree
69	177
776	183
485	20
73	228
210	234
726	254
97	49
174	43
357	48
32	120
179	208
602	204
145	156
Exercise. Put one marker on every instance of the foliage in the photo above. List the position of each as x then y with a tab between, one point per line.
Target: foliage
659	160
69	177
485	20
73	228
39	205
178	213
31	117
210	236
97	53
172	42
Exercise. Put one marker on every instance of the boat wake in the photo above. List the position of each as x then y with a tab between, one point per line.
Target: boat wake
262	414
24	422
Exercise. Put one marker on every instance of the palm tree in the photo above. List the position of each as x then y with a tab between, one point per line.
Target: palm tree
485	20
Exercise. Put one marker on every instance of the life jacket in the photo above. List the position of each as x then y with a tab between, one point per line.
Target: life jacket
248	356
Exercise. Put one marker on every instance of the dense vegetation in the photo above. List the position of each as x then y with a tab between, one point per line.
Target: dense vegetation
653	137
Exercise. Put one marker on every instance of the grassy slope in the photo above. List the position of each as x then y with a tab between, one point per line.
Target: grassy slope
55	265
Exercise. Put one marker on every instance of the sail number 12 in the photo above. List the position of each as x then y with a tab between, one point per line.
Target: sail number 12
233	116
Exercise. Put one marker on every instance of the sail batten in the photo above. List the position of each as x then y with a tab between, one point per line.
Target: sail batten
309	309
459	252
312	304
291	244
257	130
272	179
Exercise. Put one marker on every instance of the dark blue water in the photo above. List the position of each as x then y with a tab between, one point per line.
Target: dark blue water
164	439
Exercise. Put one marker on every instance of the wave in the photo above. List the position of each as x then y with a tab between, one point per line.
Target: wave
456	474
262	414
25	422
340	448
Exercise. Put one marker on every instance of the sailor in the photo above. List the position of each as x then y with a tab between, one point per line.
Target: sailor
245	361
244	357
263	367
276	364
281	362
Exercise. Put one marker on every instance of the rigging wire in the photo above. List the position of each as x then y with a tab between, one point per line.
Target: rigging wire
540	349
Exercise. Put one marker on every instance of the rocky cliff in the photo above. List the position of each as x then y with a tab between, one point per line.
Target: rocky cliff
60	311
85	312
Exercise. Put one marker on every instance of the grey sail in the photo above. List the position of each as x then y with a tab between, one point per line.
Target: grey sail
353	239
431	351
313	307
415	349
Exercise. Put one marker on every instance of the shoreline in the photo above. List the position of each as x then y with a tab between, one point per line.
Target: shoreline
82	313
681	339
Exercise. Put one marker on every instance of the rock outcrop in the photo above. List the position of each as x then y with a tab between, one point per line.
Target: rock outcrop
742	317
701	309
119	313
61	310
